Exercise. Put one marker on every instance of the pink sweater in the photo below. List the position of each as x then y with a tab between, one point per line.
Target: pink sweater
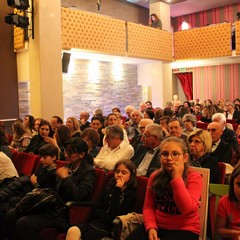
177	212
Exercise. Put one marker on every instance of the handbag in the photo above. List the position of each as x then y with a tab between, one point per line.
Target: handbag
39	200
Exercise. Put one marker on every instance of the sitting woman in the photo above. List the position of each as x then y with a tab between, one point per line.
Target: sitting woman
189	121
171	204
92	137
75	182
60	138
29	123
228	211
200	145
39	140
74	127
21	136
118	199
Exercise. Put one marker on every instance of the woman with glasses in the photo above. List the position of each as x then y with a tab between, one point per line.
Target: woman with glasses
200	145
171	204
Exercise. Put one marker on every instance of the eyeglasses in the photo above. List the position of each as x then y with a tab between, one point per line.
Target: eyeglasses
174	155
195	141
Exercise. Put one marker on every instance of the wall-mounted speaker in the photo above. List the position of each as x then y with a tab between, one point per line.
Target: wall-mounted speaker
65	62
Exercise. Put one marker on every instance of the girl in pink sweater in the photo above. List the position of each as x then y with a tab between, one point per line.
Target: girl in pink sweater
172	199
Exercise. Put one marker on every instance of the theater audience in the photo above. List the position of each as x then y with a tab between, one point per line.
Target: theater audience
164	121
136	140
228	135
146	156
97	124
55	122
231	112
91	136
28	121
221	150
84	123
60	138
175	129
132	125
45	130
171	207
200	145
4	144
74	183
155	22
189	122
21	136
74	127
114	150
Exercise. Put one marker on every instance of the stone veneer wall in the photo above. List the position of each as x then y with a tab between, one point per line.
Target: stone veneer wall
85	89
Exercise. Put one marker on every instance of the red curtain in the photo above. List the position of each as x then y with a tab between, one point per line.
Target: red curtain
186	80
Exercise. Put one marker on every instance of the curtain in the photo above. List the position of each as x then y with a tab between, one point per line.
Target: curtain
186	80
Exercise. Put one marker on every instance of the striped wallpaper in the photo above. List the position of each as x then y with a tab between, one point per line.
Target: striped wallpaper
215	82
211	16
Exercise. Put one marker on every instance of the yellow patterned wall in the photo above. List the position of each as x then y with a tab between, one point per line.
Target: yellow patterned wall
237	27
94	32
206	42
146	42
18	41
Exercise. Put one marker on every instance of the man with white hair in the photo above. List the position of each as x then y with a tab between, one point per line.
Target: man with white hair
228	135
146	156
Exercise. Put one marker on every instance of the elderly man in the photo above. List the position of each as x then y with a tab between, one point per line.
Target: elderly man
132	126
84	116
175	129
128	111
136	140
220	149
116	149
146	156
228	135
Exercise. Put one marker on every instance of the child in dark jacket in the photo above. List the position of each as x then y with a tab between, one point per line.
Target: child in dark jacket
118	199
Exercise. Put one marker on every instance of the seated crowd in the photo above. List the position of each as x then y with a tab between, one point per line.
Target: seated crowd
164	141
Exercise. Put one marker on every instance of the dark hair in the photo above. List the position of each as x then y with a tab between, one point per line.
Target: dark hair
92	135
235	173
101	120
130	165
77	145
45	122
150	113
31	122
168	112
63	134
59	120
161	182
3	137
188	103
48	150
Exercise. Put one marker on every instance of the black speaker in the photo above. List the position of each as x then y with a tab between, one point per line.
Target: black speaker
65	62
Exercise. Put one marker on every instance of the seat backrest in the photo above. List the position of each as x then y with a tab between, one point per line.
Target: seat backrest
24	163
221	172
203	209
141	192
99	184
216	192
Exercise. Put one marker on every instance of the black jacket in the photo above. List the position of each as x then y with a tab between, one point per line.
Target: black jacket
79	185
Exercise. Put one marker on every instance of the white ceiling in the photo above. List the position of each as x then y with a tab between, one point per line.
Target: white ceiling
190	6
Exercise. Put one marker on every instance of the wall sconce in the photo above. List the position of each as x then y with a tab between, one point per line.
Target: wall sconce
21	21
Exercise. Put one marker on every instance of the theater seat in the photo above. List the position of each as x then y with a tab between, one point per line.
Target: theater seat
25	162
79	212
